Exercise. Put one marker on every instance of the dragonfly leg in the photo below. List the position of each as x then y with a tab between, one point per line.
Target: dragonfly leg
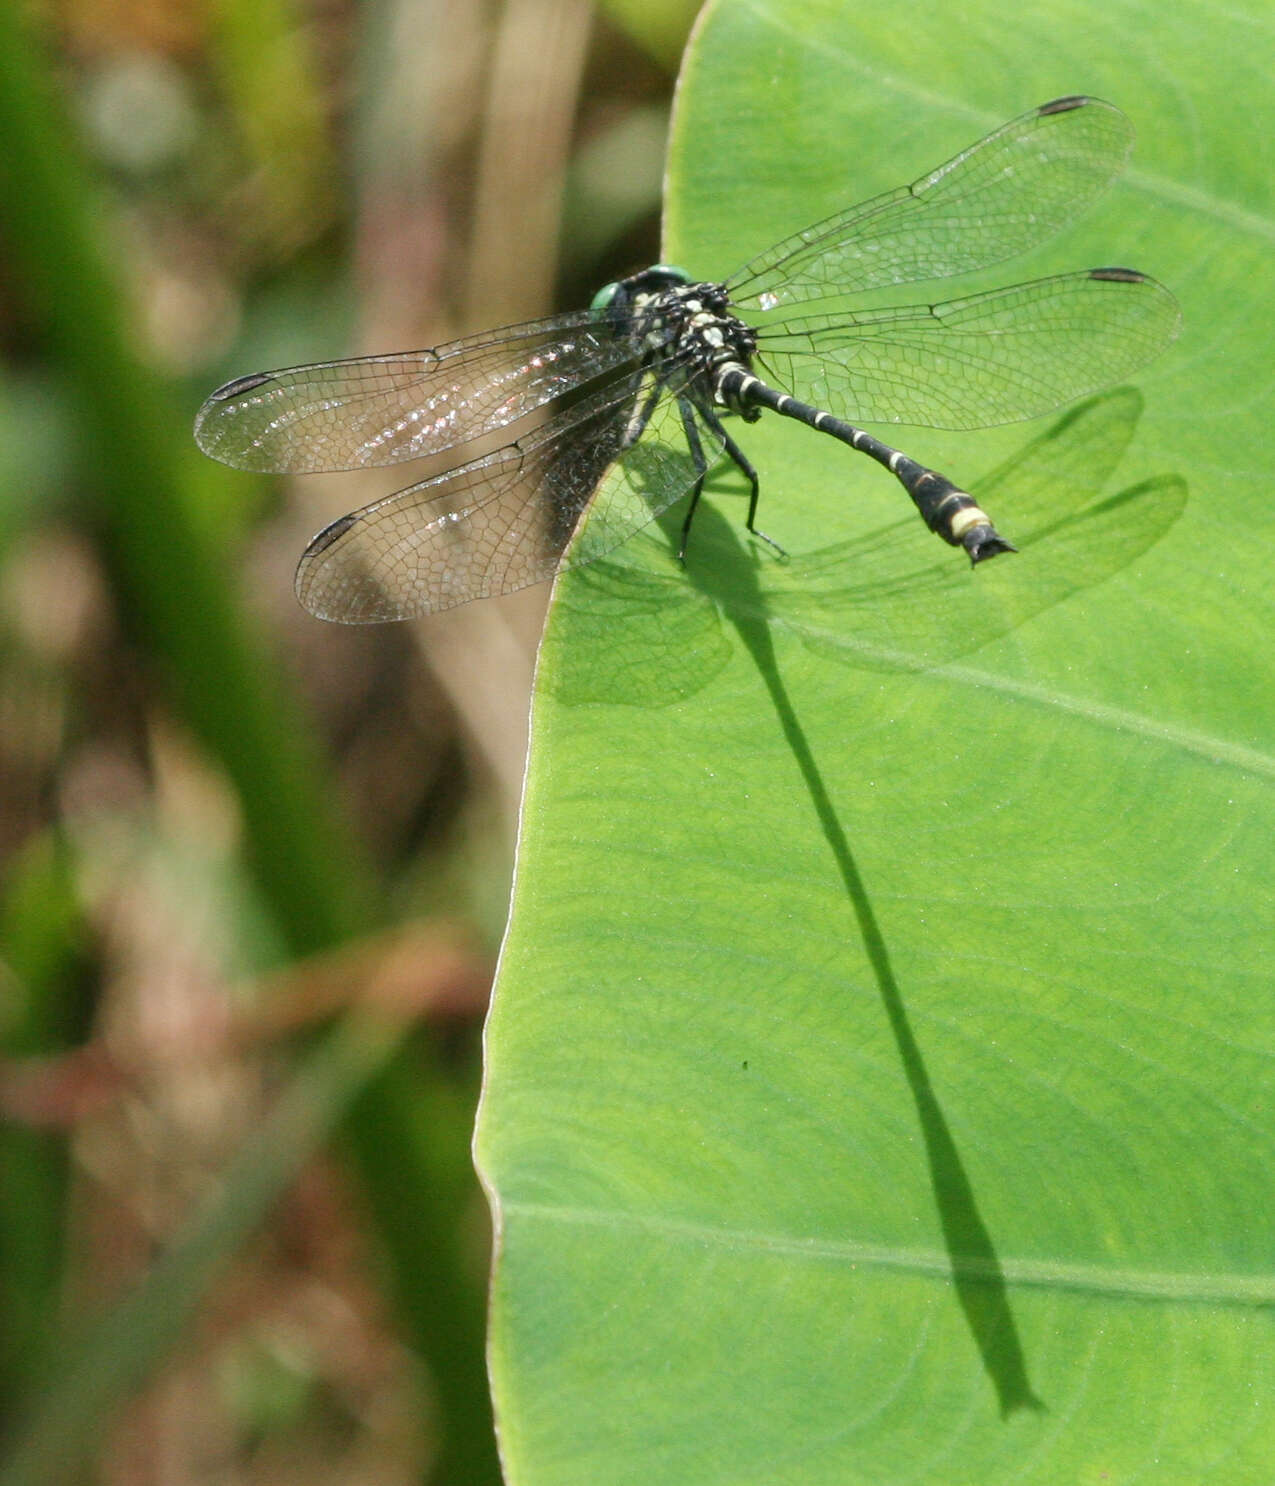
744	465
741	459
642	416
687	411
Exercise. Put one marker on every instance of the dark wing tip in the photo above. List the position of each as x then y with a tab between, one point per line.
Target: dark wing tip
313	582
1162	309
216	416
328	535
1120	276
241	385
1065	105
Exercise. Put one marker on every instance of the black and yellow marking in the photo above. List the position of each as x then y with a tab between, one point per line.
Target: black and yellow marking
946	509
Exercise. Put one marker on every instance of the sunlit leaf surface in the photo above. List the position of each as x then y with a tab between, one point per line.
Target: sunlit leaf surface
880	1070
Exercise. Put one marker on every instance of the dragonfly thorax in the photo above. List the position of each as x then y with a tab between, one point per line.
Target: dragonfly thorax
684	329
708	336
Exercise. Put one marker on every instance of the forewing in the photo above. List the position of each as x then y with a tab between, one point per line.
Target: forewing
506	520
1011	190
376	410
974	362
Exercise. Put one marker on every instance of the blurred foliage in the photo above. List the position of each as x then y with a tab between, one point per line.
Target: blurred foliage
254	869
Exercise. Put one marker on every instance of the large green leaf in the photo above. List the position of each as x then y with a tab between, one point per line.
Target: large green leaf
879	1078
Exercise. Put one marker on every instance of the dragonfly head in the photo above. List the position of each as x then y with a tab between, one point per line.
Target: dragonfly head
625	293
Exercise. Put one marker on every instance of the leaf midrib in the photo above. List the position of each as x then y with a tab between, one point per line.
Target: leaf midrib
1231	1290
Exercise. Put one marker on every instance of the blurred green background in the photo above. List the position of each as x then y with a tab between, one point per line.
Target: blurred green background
254	868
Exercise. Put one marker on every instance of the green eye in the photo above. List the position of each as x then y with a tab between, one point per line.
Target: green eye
604	296
679	274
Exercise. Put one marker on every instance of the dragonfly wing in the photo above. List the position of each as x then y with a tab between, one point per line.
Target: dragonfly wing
971	363
508	519
377	410
1011	190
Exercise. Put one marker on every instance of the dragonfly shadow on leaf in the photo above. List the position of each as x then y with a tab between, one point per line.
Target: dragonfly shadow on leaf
978	1280
640	607
869	601
641	636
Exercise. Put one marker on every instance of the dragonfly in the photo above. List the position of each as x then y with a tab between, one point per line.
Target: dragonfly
603	418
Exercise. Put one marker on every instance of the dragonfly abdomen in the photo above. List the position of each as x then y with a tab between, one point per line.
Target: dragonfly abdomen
947	510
